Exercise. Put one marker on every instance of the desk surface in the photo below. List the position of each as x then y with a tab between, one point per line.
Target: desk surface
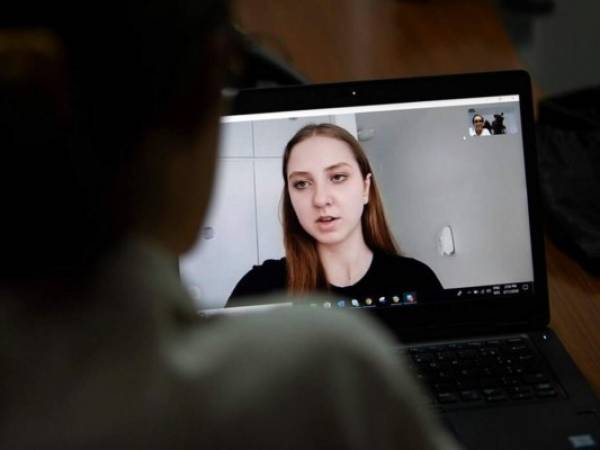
343	40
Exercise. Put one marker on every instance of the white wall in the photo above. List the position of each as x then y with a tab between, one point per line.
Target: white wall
228	235
431	175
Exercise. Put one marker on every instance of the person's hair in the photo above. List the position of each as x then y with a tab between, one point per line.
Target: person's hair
477	115
79	93
305	272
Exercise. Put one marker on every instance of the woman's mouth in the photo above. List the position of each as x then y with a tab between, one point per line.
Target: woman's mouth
326	223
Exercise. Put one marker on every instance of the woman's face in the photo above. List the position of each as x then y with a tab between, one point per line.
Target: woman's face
478	122
327	189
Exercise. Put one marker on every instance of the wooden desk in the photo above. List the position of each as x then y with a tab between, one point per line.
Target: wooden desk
342	40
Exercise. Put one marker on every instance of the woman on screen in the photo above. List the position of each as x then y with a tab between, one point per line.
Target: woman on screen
479	127
336	236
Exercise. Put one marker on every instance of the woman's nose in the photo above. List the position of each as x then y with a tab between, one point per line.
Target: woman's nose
322	196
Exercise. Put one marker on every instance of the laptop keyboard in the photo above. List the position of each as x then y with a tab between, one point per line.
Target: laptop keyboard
487	371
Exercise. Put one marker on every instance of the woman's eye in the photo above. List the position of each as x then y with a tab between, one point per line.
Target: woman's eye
300	184
339	177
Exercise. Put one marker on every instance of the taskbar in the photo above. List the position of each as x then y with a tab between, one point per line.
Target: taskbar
411	298
490	291
402	299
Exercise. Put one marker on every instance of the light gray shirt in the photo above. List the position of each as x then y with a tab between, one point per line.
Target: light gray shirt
131	365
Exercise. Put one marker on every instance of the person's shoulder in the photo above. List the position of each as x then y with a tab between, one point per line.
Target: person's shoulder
403	262
261	280
270	267
293	340
277	346
269	271
274	264
319	360
417	271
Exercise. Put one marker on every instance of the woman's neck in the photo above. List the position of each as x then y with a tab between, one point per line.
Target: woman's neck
347	262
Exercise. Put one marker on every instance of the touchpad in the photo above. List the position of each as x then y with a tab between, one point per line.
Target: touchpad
544	426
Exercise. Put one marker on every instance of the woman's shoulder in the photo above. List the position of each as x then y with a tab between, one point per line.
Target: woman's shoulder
412	268
270	267
262	279
400	261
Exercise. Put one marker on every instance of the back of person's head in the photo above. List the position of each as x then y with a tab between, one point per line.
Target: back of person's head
96	101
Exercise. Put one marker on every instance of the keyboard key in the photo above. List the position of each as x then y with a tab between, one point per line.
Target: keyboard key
462	364
423	357
544	387
467	354
487	383
467	384
511	381
424	368
447	397
487	372
522	396
546	394
443	375
434	366
520	390
500	371
493	391
455	347
534	378
413	350
470	395
520	350
447	356
444	387
469	373
494	395
430	348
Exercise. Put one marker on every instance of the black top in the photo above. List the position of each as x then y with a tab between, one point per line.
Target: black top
388	276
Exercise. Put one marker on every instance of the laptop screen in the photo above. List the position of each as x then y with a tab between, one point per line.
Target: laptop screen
441	215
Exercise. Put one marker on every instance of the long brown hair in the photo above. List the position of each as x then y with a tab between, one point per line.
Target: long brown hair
305	272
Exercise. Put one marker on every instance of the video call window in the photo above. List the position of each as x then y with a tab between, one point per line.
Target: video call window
495	121
455	208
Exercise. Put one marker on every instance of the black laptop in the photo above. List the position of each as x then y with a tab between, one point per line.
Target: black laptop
455	165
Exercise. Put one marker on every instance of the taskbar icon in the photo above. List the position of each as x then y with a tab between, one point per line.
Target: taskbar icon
409	298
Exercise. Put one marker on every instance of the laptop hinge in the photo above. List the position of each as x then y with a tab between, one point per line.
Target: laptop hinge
465	330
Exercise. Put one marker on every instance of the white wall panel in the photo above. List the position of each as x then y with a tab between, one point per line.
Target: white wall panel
226	249
271	136
236	140
347	121
269	185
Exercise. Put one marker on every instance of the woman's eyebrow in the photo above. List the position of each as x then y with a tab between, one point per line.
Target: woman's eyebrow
337	166
300	173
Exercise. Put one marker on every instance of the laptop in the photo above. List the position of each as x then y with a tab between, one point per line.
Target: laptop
455	166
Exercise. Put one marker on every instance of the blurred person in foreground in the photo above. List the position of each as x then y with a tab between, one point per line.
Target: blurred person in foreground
109	125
